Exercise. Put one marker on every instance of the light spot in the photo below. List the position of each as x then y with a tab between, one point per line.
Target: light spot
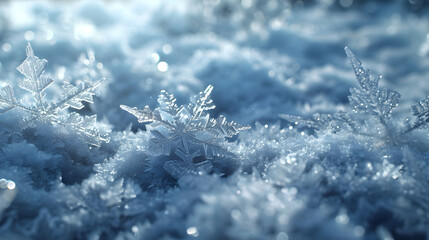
100	66
359	231
155	57
342	218
84	30
246	3
134	229
255	26
49	35
282	236
3	183
369	166
193	231
276	24
6	47
167	49
61	71
162	66
236	214
29	35
271	74
11	185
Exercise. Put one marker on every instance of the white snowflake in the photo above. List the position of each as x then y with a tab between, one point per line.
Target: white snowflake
179	129
36	82
367	98
421	112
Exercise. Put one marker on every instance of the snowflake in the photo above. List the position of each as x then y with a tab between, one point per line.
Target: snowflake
187	130
421	111
368	98
36	82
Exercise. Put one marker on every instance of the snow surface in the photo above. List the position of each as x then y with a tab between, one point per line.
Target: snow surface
318	179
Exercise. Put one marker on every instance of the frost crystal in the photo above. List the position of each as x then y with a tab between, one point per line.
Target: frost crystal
36	83
421	111
369	97
187	130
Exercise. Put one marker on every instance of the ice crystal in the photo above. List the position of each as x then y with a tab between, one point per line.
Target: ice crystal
187	130
369	97
421	111
36	82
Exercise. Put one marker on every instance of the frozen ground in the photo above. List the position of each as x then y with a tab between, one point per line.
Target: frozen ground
170	172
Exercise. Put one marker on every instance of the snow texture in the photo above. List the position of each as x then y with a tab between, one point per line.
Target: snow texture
94	145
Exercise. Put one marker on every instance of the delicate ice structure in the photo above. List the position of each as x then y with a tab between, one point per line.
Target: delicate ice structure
369	98
36	83
176	129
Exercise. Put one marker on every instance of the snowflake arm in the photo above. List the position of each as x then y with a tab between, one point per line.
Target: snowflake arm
188	123
369	97
86	126
202	102
143	116
345	118
36	83
76	95
7	99
421	111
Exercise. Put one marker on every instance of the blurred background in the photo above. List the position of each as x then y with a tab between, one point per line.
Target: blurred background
263	57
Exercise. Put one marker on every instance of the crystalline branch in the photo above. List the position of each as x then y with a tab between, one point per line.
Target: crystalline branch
421	112
369	97
186	130
36	82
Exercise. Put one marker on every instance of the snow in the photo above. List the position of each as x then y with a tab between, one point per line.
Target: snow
320	161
